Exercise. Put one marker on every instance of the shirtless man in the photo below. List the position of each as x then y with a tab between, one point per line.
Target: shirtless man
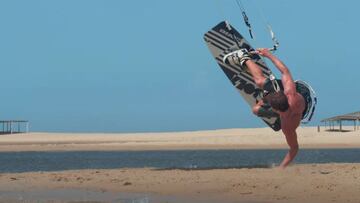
288	104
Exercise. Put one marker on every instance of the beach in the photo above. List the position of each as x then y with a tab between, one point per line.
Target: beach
329	182
246	138
300	183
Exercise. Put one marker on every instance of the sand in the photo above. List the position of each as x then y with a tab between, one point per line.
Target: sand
256	138
298	183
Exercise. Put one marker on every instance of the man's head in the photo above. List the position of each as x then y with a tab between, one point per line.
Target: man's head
278	101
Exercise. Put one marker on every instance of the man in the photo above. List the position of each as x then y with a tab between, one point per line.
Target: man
288	104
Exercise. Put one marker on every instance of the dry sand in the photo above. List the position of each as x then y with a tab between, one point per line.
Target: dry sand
298	183
256	138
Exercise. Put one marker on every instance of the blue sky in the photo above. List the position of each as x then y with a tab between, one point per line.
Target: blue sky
135	66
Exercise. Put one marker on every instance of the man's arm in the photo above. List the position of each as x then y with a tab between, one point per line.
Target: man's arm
291	139
286	78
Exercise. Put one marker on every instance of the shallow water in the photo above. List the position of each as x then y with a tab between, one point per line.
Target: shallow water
72	195
77	196
13	162
63	195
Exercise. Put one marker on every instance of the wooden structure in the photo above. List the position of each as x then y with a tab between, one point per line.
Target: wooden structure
14	126
352	117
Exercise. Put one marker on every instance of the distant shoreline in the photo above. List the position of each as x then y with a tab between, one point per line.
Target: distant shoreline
246	138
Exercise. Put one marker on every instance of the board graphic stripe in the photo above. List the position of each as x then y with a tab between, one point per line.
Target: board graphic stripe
220	60
248	80
227	37
238	67
265	70
241	42
222	48
244	73
231	42
220	40
217	40
214	44
233	67
229	67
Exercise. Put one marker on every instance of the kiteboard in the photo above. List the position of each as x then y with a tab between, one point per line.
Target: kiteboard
222	39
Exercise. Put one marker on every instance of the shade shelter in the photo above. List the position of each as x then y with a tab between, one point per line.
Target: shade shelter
14	126
332	122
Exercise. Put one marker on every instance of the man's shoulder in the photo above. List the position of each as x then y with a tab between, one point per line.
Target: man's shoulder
295	99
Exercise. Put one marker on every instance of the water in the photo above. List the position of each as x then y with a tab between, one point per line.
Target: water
14	162
81	196
65	195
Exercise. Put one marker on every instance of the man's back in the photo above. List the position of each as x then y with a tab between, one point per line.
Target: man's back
291	119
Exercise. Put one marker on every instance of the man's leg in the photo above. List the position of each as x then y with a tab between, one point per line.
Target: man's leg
256	72
242	57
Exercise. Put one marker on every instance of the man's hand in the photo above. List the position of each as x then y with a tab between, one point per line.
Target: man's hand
264	52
